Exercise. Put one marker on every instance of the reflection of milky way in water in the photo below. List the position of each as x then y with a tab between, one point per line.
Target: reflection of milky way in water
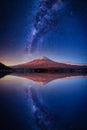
44	119
44	21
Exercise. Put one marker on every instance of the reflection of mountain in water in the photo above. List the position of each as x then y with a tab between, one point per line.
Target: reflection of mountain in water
4	74
45	78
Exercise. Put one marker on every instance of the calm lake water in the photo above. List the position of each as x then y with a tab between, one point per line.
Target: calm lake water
28	105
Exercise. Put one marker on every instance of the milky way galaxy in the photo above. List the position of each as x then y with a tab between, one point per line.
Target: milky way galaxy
44	20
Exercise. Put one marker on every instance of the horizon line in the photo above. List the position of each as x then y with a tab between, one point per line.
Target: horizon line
18	62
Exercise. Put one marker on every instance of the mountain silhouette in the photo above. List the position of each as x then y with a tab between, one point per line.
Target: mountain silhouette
2	66
5	70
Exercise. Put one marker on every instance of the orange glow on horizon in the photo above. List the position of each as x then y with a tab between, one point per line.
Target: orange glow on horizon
10	62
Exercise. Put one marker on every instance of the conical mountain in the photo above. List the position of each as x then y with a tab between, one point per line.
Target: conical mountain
43	62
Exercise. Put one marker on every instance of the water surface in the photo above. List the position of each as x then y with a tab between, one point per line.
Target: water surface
34	104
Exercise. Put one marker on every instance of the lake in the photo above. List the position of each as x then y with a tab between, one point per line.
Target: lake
40	104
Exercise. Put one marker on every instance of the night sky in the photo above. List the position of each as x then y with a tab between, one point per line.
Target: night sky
67	41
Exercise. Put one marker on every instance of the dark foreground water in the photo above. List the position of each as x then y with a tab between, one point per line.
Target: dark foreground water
58	105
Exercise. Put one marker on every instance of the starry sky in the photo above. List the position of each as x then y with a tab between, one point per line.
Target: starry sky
66	42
